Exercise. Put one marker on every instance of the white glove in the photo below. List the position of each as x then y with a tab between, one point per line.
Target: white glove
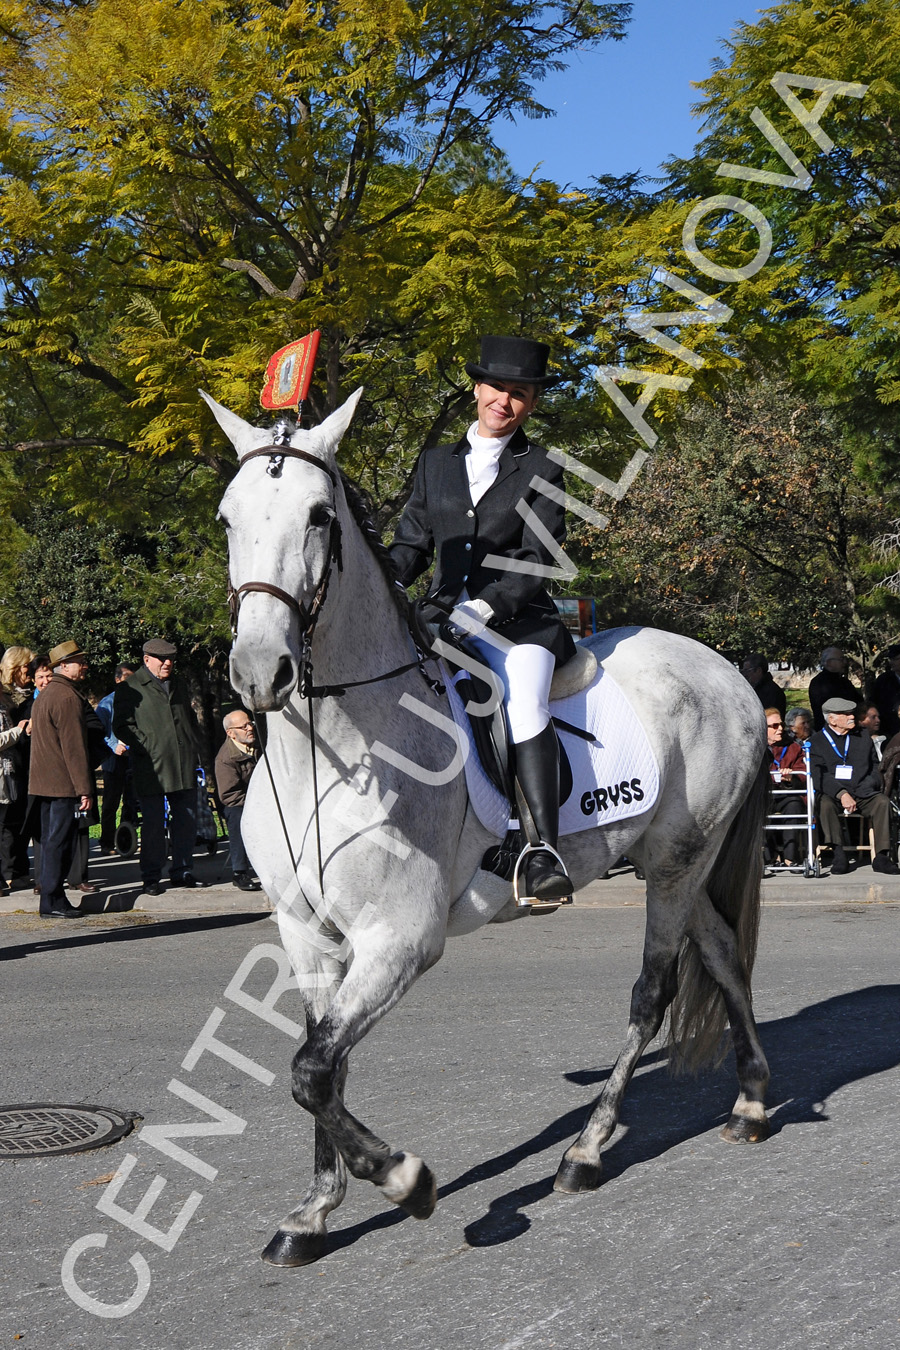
471	617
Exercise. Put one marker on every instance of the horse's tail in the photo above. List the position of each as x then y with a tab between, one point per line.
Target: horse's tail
697	1017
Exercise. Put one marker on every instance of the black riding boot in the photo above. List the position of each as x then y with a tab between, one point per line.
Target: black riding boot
537	773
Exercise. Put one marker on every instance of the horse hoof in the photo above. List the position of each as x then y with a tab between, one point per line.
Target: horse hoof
743	1130
420	1202
411	1186
574	1177
295	1249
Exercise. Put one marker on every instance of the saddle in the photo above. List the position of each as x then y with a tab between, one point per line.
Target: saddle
491	732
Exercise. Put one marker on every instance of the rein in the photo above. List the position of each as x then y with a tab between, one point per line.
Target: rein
308	616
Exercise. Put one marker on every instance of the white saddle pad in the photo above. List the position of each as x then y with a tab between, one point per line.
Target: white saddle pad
613	776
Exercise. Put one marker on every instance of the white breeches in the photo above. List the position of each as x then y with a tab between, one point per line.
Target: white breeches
526	671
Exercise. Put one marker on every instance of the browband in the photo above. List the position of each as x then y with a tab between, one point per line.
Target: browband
288	452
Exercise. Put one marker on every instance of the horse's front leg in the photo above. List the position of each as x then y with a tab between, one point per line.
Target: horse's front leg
302	1236
383	968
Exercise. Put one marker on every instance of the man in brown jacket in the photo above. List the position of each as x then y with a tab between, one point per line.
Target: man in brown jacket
235	763
60	778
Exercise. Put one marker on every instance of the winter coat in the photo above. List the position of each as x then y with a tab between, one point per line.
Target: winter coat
793	759
770	694
860	755
60	760
161	733
234	766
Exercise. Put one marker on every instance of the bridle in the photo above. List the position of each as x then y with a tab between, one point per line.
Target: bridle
307	614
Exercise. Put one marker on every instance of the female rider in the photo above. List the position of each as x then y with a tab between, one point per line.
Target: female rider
472	509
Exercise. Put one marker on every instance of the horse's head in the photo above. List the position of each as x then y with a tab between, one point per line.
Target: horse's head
280	516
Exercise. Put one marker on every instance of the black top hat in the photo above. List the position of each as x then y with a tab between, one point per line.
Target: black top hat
513	358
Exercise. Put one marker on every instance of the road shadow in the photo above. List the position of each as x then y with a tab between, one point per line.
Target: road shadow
147	929
812	1055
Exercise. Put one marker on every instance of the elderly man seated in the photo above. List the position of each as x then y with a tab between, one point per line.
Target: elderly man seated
846	778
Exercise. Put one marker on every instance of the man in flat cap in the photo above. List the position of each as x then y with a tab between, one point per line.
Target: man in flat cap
465	512
60	778
847	780
152	714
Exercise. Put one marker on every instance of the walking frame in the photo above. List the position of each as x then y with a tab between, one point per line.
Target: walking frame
789	822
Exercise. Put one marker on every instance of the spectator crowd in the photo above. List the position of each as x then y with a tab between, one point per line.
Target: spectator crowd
144	738
848	745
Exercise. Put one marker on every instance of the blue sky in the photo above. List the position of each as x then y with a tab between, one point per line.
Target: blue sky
626	105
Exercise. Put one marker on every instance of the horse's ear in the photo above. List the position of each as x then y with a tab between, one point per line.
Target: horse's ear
242	435
328	434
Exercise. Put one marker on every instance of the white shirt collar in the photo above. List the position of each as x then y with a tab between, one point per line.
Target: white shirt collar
483	461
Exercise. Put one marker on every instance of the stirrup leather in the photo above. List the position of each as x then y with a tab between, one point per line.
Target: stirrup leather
532	901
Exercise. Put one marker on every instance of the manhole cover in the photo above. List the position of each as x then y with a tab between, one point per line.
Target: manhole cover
37	1130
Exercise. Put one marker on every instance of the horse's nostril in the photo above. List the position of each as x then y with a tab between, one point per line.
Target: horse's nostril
284	675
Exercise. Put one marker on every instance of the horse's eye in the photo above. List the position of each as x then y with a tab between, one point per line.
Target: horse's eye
320	515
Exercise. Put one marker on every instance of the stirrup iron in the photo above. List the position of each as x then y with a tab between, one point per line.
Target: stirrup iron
532	901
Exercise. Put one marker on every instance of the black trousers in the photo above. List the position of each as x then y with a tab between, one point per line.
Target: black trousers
7	838
182	833
16	835
58	835
116	788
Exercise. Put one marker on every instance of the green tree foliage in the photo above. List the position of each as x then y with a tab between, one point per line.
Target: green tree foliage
752	532
832	282
189	184
111	591
76	581
759	520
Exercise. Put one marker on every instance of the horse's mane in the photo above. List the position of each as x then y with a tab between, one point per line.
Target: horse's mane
361	511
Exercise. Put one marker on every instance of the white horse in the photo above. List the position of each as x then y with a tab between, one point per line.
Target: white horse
397	847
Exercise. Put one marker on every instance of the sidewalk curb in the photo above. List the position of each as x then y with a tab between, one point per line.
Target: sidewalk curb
619	891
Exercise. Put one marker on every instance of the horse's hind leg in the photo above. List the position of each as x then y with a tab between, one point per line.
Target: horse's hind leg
715	940
581	1168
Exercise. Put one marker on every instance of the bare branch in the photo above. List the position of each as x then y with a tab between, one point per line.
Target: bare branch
220	171
64	443
296	289
82	365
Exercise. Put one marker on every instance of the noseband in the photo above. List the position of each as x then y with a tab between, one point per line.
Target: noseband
307	614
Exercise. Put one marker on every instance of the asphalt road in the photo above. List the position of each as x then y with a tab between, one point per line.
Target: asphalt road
485	1069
